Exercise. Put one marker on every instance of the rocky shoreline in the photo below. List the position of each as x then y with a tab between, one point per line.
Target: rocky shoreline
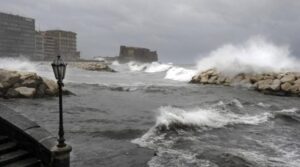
15	84
283	84
92	66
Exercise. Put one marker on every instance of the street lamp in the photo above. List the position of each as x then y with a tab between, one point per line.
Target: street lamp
59	69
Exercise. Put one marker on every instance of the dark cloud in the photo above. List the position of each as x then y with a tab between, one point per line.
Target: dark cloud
180	30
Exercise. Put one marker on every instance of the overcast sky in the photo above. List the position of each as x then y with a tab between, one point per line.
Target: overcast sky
180	30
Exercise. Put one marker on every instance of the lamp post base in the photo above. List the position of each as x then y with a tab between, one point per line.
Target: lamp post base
61	156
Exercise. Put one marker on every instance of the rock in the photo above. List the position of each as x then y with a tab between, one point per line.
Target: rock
221	79
41	90
204	79
269	76
52	87
286	86
93	66
276	85
264	84
25	84
288	78
295	89
196	79
30	83
1	86
246	83
11	93
26	92
237	79
210	72
297	81
212	80
9	78
256	78
28	76
273	83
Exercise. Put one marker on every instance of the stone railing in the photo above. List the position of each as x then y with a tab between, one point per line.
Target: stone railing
30	136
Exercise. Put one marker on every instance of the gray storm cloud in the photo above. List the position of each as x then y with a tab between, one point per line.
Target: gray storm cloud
180	30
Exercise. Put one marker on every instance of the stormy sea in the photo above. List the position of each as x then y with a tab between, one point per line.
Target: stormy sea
149	115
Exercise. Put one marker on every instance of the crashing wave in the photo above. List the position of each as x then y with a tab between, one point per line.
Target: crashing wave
115	63
149	67
257	55
172	118
180	74
18	64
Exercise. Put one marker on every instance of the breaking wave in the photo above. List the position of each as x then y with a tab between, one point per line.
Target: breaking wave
172	117
256	55
180	74
149	67
172	72
18	64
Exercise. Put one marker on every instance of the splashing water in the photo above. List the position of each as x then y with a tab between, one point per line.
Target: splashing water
180	74
18	64
256	55
200	117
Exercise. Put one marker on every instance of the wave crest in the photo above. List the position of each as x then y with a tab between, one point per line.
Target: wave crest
257	55
180	74
18	64
173	118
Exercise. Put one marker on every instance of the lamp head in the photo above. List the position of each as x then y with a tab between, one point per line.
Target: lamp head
59	68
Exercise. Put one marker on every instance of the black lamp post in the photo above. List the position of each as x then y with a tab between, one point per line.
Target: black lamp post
59	69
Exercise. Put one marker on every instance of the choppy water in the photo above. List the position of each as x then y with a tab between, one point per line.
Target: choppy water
136	117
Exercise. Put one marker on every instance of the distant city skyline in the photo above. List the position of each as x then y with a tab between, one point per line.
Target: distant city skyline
180	31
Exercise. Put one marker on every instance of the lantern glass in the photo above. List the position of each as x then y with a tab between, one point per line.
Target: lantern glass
59	68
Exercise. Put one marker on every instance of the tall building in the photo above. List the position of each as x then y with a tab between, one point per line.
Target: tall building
17	36
60	42
39	46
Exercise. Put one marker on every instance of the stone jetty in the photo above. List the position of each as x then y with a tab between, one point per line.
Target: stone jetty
287	83
92	66
15	84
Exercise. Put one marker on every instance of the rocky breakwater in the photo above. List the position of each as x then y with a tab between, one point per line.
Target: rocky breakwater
92	66
287	83
14	84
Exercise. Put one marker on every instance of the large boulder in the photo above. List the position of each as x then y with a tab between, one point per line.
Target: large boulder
11	93
286	87
276	85
28	76
212	79
9	78
31	83
297	81
52	87
15	84
26	92
264	84
288	78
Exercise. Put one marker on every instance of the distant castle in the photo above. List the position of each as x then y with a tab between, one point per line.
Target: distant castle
128	54
19	38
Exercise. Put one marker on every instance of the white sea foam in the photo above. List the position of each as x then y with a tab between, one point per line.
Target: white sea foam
180	74
176	158
157	67
18	64
255	55
200	117
115	63
134	66
149	67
